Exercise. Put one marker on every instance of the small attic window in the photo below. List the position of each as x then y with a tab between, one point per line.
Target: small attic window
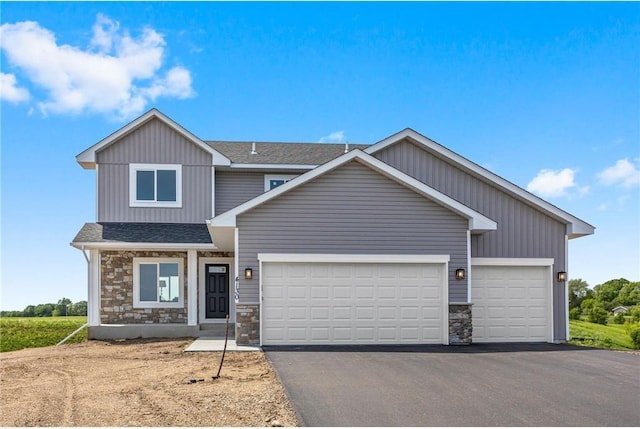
155	185
274	180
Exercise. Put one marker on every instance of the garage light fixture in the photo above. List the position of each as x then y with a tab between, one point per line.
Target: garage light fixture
248	273
460	274
562	276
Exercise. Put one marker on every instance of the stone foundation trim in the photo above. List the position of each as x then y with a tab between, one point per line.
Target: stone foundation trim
248	324
460	323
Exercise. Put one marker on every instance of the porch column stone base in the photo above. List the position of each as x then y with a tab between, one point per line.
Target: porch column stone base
248	324
460	324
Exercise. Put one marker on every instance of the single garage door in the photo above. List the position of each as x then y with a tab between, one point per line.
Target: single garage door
353	303
511	303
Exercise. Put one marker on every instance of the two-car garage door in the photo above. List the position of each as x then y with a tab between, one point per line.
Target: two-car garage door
353	302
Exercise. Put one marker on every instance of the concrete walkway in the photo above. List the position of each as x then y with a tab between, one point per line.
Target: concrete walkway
205	344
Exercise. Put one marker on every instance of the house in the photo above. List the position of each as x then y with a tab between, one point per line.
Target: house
398	242
619	310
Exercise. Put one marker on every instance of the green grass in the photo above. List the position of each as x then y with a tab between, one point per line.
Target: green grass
18	333
610	336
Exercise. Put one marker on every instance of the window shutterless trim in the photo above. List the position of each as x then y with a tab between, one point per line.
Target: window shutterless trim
133	177
136	283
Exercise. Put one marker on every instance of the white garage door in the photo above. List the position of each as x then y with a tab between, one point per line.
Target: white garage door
352	303
511	303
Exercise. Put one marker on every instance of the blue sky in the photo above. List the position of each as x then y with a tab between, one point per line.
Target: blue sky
545	95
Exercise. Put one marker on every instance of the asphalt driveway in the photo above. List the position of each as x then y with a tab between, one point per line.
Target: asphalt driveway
478	385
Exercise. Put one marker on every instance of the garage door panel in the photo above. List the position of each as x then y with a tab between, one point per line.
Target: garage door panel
510	303
356	303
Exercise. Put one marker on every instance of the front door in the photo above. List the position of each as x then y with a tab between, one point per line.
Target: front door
217	291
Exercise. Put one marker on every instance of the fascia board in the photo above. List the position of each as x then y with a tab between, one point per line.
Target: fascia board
575	228
87	158
228	219
142	246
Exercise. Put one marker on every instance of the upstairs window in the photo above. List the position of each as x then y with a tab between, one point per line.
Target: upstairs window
155	185
274	180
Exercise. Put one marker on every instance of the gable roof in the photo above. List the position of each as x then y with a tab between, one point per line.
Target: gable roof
575	227
87	158
106	235
302	155
478	223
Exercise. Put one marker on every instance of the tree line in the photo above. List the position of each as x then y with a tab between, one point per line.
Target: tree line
597	304
64	307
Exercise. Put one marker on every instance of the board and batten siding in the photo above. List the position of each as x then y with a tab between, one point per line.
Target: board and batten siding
154	143
352	210
523	231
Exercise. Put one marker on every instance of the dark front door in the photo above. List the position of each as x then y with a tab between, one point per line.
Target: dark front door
217	291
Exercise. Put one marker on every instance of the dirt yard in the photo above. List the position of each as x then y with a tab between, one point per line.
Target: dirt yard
139	383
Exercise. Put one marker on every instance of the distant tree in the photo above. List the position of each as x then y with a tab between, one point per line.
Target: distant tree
607	293
62	307
619	319
587	304
598	314
44	310
29	311
78	309
578	290
574	313
629	294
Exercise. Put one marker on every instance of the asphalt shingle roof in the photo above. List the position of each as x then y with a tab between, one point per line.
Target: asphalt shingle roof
105	232
281	153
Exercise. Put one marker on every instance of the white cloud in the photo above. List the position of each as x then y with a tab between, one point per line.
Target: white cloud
10	91
623	172
334	137
117	74
550	183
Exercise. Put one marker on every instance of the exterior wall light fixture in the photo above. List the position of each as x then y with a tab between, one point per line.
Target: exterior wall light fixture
460	274
562	276
248	273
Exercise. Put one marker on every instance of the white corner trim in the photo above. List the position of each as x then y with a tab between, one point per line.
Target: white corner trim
94	289
513	262
445	304
575	227
349	258
213	191
478	220
87	158
469	270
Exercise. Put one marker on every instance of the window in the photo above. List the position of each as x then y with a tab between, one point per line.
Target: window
274	180
155	185
158	282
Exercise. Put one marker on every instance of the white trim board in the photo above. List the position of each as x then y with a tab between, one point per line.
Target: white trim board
575	227
87	158
350	259
143	246
513	262
477	222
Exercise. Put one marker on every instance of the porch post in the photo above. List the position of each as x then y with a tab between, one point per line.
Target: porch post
192	287
93	304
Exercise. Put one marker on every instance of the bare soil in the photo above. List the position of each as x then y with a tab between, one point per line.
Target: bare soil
139	383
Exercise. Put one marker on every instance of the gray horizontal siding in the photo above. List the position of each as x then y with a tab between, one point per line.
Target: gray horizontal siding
235	187
113	197
523	231
351	210
154	142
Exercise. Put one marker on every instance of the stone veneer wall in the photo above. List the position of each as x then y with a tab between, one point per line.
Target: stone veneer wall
460	324
116	300
248	324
